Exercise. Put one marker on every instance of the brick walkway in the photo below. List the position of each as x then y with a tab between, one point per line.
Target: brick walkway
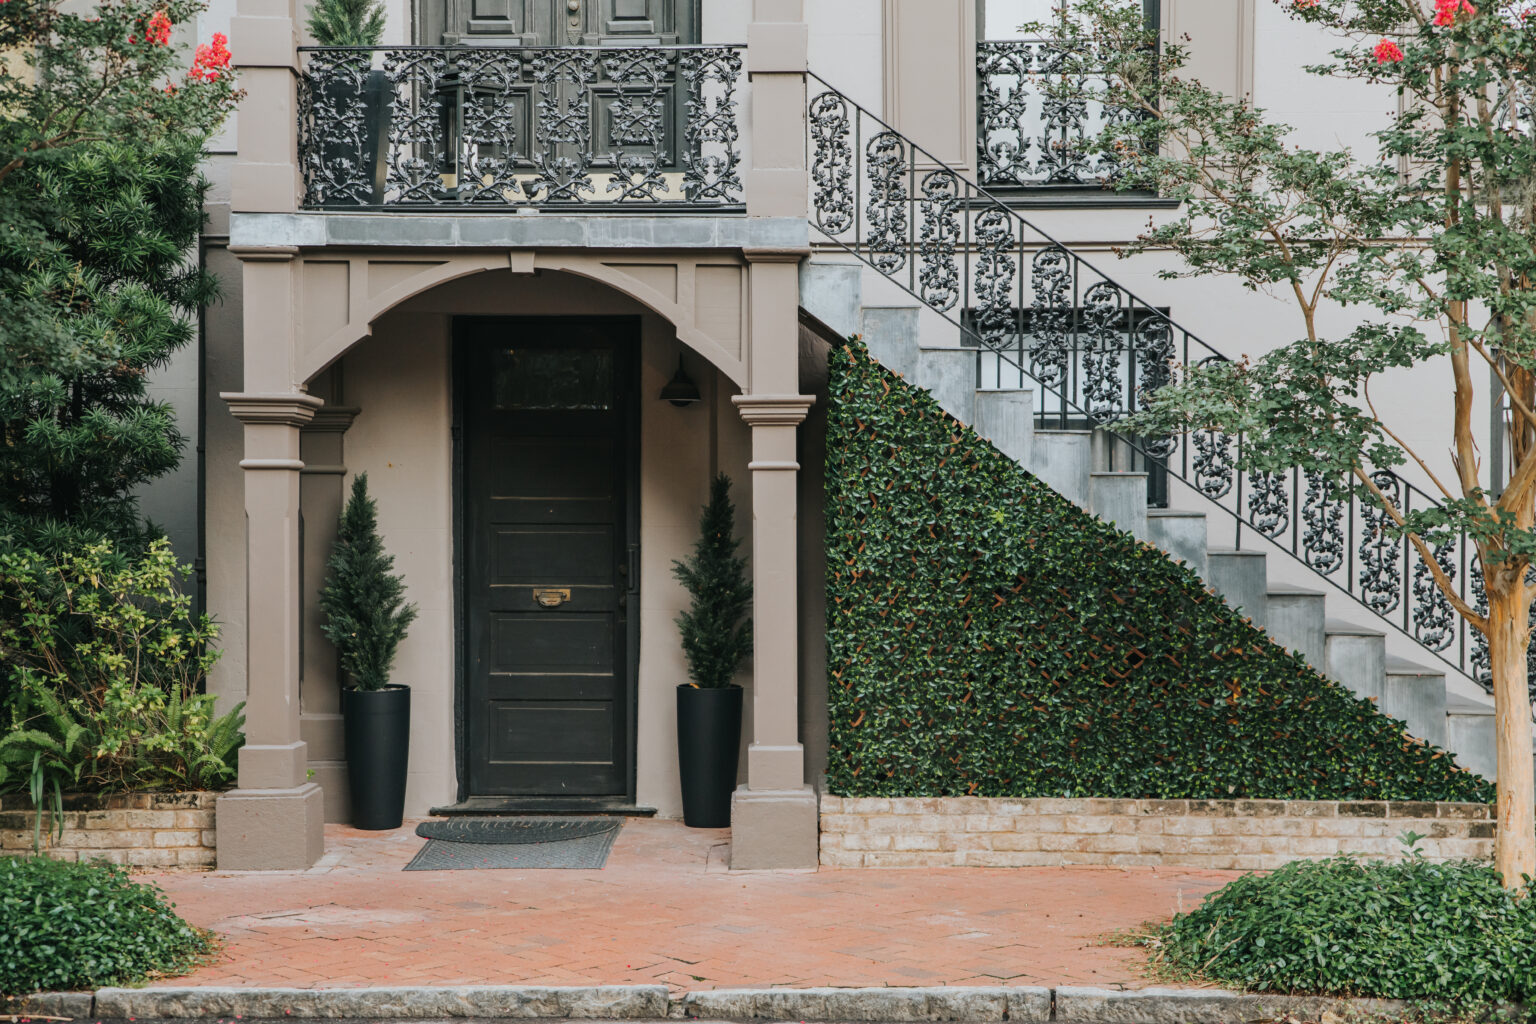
665	910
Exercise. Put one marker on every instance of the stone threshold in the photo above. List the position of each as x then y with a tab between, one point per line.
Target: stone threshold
1035	1005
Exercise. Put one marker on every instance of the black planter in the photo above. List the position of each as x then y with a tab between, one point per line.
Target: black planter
708	747
378	739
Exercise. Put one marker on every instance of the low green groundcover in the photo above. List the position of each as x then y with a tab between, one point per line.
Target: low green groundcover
67	927
1405	930
987	637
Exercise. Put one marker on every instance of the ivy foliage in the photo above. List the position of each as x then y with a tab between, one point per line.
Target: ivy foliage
986	637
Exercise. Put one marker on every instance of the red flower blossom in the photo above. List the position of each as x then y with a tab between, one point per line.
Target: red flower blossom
1388	52
210	60
1446	10
158	31
1304	4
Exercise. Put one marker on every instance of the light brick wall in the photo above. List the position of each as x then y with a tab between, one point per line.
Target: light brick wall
1237	835
163	831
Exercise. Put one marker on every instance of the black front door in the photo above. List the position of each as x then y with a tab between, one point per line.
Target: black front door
548	464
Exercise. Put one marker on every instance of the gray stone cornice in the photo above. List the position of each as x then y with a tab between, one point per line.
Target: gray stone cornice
294	409
773	410
385	229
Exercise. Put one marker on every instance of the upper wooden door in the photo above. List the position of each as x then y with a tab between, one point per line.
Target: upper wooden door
559	22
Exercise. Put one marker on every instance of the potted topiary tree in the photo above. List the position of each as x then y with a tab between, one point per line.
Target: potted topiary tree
355	23
366	618
717	636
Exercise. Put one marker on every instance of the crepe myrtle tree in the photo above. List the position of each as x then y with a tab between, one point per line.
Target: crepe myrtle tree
103	128
1431	240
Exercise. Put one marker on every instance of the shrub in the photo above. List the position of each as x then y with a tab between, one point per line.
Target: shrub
108	662
1405	930
716	633
987	637
366	616
81	926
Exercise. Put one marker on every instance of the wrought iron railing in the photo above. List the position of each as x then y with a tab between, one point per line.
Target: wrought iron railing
497	127
1039	114
1041	316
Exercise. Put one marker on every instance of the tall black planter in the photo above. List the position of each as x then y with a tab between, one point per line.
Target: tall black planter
708	748
378	739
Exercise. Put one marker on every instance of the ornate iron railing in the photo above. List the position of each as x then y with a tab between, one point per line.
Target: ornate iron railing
1038	115
497	127
1041	316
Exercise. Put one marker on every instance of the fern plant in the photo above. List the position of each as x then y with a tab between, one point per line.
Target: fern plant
347	22
716	632
366	616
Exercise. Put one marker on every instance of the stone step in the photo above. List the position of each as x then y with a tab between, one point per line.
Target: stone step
1296	619
832	293
1181	534
1357	658
1121	499
1113	455
949	374
1415	694
1240	577
1063	460
1471	734
891	334
1006	417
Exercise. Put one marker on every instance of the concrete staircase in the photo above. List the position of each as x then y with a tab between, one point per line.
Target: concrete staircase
1077	464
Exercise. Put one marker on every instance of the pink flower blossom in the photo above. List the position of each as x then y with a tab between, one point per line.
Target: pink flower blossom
158	31
210	60
1446	10
1388	52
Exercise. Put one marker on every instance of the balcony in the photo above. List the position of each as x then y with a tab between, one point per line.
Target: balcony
514	128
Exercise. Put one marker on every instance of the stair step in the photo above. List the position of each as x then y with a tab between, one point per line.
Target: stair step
891	334
1121	499
1357	657
1006	417
1240	578
1112	454
1296	619
949	374
1180	534
832	292
1471	734
1063	459
1415	694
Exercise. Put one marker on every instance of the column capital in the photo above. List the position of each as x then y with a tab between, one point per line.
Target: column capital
293	409
332	419
775	254
773	410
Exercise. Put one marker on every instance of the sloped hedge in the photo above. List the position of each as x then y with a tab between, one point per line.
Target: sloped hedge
986	637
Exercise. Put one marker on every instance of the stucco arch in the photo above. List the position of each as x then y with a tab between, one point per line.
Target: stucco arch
343	295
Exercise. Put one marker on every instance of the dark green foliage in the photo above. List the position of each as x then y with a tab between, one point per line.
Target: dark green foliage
986	637
83	926
364	601
1405	930
716	632
347	22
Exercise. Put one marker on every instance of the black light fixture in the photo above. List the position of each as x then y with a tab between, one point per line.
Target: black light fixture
681	391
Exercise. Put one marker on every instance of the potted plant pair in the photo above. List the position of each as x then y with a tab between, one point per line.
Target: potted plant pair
717	636
366	618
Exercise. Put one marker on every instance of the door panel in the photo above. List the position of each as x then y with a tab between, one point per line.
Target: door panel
547	475
560	22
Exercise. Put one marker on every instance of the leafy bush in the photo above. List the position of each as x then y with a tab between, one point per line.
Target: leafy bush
108	662
716	633
366	616
1405	930
986	637
81	926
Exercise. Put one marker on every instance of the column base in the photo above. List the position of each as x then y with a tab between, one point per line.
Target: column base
774	829
270	829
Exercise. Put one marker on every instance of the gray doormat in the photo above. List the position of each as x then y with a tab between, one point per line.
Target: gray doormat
463	844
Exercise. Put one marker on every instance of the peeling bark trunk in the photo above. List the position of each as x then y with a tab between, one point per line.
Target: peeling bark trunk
1514	850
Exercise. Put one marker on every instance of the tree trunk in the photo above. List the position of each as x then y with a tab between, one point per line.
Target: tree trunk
1514	848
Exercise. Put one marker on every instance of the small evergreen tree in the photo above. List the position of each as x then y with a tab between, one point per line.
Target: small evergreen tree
347	22
716	632
366	616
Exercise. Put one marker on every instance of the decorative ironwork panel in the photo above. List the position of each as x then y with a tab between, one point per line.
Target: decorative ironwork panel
1215	468
1004	73
1322	540
995	315
832	200
938	233
885	212
1434	620
1103	344
1269	504
1381	571
486	126
1052	315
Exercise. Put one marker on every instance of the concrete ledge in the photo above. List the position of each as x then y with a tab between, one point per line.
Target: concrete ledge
1034	1005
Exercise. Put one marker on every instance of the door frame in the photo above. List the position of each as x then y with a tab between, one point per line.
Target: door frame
628	331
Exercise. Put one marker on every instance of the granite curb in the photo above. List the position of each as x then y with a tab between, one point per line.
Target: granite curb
1030	1004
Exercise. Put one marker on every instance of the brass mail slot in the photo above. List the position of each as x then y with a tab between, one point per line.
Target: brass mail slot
551	597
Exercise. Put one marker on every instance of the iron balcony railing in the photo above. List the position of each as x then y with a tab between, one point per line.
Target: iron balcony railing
508	127
1041	316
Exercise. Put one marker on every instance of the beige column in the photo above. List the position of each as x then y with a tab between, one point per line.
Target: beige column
265	177
773	817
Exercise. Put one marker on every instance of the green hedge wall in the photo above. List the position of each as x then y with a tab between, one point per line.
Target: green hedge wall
986	637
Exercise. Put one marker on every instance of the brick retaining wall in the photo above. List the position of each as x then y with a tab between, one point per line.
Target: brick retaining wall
151	830
1239	835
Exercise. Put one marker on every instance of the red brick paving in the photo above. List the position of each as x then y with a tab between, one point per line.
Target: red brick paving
666	911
